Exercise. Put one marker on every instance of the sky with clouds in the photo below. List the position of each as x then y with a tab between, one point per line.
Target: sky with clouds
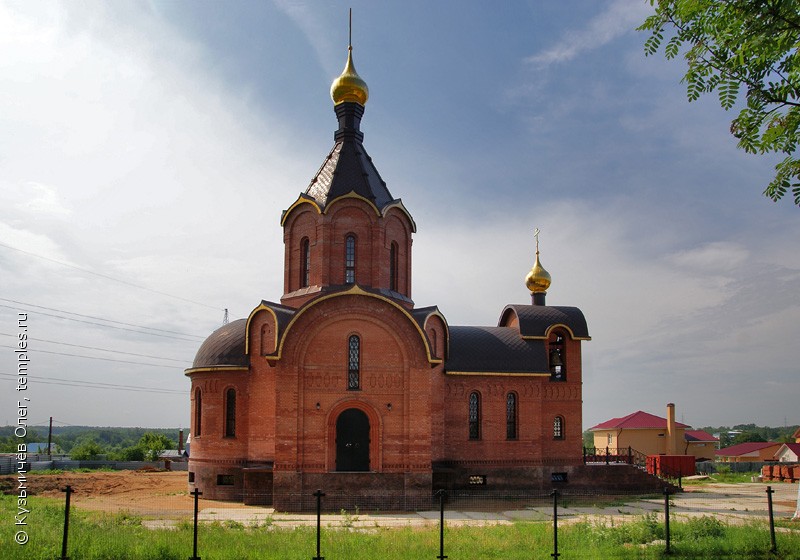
147	150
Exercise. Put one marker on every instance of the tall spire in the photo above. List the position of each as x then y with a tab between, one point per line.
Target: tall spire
538	279
349	86
348	167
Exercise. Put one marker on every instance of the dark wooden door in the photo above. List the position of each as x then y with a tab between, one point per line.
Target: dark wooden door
352	441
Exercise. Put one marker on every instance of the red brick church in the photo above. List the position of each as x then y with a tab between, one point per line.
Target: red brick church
349	387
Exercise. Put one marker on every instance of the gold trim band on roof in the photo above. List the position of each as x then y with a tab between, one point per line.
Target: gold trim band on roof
210	369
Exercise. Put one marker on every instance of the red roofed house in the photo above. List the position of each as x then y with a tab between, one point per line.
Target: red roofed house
700	444
653	435
788	453
754	451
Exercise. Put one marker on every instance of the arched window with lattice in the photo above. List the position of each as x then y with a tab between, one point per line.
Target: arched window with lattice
511	416
558	427
474	415
350	259
354	363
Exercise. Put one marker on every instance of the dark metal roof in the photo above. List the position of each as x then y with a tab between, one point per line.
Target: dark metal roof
534	320
284	314
494	350
224	347
348	167
421	314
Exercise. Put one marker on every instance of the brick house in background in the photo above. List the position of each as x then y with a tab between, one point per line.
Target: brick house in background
347	386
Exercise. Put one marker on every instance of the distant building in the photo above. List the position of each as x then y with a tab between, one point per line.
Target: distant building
788	453
348	386
751	451
653	435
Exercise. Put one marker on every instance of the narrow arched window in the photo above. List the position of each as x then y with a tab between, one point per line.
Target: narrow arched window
198	412
230	413
350	259
511	416
305	262
558	427
393	268
354	363
474	416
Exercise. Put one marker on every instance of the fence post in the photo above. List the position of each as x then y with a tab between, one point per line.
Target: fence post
630	455
64	556
318	494
774	548
666	518
442	493
555	524
607	451
196	493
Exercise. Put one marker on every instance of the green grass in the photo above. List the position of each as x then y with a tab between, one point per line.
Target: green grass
723	477
121	536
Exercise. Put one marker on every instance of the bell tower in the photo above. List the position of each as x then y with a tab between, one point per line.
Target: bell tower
346	228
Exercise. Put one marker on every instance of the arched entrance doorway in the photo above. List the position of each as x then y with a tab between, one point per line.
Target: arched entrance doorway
352	441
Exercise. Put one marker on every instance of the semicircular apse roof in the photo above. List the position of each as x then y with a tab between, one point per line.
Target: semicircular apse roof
224	347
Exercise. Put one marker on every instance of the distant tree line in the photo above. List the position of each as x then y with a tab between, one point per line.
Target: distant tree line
87	442
743	433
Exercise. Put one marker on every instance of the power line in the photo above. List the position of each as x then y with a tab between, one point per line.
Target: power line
96	318
100	349
38	350
125	282
109	326
94	385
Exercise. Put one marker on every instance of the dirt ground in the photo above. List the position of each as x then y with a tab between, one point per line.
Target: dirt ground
140	492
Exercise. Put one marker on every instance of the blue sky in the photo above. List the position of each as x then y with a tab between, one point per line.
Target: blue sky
156	143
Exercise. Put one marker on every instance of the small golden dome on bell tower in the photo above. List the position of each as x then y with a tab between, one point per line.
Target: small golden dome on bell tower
538	279
349	86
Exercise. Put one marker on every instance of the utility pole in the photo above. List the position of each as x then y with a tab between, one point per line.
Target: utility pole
49	441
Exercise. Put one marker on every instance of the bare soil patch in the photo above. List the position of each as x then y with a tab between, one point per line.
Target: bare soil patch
146	493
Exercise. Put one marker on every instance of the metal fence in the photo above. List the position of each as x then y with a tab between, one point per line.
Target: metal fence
137	500
33	462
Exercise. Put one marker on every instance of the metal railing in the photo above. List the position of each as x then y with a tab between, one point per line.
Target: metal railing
630	456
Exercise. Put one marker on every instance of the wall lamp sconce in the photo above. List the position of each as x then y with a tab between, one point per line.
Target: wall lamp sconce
317	406
389	407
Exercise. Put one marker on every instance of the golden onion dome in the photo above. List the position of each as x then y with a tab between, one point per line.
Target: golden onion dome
349	86
538	279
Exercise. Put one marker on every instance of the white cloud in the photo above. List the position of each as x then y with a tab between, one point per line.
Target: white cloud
317	32
140	166
43	201
619	17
